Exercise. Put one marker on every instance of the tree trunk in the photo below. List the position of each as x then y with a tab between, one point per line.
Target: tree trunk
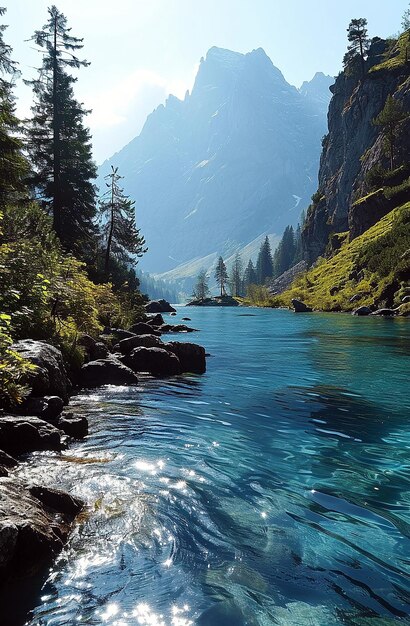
110	234
57	225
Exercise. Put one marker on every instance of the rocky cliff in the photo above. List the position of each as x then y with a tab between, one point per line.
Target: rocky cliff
237	158
354	147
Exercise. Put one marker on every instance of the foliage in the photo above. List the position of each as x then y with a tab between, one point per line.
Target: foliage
389	120
358	43
397	55
406	20
123	240
264	264
236	277
13	368
373	266
249	276
258	295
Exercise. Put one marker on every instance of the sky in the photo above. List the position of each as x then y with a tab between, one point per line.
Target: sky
142	50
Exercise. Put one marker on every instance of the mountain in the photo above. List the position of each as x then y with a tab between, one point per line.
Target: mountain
238	157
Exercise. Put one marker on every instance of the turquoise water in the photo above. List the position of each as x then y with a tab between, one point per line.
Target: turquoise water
275	489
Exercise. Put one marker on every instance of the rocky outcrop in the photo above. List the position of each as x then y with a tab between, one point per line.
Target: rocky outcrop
19	435
94	349
159	306
34	525
190	355
155	361
155	319
106	372
50	376
141	328
215	301
176	328
47	408
140	341
284	281
353	146
300	307
362	311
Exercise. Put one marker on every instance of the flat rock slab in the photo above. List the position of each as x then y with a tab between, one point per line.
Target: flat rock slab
34	524
20	434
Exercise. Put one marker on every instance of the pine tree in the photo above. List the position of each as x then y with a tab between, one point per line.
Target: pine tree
236	278
58	143
201	289
221	275
406	20
264	264
13	166
249	276
359	43
389	119
122	238
285	252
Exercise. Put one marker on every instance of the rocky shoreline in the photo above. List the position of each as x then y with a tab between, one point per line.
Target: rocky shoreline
35	521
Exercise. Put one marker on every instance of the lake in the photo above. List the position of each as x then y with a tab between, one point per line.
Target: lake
273	490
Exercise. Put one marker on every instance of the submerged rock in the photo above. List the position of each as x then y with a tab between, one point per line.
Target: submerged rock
50	376
156	361
106	372
176	328
20	434
191	356
300	307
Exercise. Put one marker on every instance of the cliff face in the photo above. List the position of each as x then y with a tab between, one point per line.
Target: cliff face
354	145
236	159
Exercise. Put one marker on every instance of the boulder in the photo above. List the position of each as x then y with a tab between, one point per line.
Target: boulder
405	299
155	320
47	408
300	307
190	355
176	328
172	313
106	372
50	376
34	525
6	460
139	341
156	361
141	328
73	425
159	306
94	349
120	333
186	319
20	434
362	310
385	312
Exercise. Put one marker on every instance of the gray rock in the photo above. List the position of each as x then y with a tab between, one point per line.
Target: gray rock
155	320
385	312
94	349
146	341
47	408
362	310
74	425
6	460
120	333
34	525
50	376
405	299
186	319
156	361
20	434
300	307
141	328
159	306
176	328
191	356
106	372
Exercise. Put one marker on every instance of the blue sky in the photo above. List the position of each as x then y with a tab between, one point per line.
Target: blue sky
141	50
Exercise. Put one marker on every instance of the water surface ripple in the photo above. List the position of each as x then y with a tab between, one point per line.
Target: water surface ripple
275	489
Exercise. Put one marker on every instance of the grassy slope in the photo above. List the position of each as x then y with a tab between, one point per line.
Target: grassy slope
362	266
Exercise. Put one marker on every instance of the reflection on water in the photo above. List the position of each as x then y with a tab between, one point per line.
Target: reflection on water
273	490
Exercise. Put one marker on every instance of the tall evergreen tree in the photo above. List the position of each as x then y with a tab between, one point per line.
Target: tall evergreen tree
122	238
359	43
58	143
285	252
389	119
249	276
406	20
264	264
221	275
13	166
236	278
201	289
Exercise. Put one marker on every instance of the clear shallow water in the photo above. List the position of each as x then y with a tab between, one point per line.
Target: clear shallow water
275	489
